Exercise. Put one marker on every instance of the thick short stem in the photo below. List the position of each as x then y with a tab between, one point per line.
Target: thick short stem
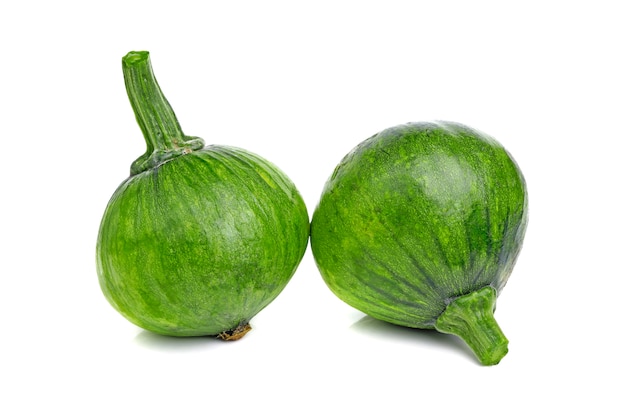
471	318
164	137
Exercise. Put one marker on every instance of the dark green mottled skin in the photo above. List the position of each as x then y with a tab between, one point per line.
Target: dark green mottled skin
201	243
417	216
198	239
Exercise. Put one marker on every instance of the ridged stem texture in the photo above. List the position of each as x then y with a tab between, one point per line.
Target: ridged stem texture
471	318
164	137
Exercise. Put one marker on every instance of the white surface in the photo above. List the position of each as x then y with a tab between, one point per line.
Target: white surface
301	85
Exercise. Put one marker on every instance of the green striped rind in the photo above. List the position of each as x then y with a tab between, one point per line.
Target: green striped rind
201	243
416	216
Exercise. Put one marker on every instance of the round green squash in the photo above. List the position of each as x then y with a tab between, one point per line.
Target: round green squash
198	239
420	226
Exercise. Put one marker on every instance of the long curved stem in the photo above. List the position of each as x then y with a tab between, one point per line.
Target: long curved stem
164	137
471	318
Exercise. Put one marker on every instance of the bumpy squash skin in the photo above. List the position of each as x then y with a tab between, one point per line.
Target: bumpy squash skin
417	216
201	243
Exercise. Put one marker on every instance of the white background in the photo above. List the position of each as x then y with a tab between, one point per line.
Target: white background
301	83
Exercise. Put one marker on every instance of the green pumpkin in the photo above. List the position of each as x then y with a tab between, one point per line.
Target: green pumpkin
420	226
198	239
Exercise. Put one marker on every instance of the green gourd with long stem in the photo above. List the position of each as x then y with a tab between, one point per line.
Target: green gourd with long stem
199	239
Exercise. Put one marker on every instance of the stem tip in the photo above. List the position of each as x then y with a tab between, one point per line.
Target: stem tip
135	57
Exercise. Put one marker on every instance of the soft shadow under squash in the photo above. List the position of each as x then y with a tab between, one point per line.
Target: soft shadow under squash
428	337
156	341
